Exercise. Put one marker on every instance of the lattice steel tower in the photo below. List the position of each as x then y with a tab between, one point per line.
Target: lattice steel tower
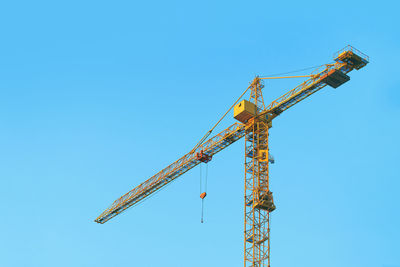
258	201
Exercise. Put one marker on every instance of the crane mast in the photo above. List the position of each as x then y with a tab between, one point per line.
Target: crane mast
255	120
258	201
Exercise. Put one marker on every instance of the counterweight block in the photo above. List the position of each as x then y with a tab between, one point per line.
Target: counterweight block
335	78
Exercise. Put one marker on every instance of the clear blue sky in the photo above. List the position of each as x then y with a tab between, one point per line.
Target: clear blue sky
97	96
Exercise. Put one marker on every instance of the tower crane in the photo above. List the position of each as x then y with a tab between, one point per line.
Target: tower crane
255	119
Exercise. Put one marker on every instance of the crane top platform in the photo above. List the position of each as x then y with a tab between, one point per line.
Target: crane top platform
351	56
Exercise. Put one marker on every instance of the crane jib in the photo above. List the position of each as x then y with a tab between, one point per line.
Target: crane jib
173	171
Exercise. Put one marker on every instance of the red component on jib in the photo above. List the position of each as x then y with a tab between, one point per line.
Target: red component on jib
201	156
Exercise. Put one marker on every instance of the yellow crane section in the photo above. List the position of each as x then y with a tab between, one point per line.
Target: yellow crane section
255	120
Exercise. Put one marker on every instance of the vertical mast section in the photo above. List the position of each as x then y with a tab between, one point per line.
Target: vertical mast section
256	94
257	198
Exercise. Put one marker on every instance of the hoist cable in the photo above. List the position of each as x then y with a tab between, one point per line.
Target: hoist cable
202	210
200	179
205	186
201	189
